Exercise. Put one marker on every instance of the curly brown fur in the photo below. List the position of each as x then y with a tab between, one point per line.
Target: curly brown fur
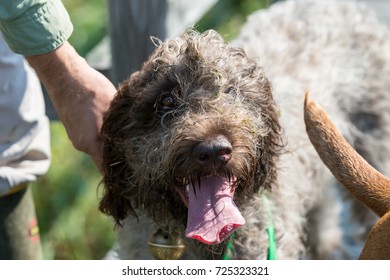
149	141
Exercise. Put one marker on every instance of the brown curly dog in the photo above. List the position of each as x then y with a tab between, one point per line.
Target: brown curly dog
199	146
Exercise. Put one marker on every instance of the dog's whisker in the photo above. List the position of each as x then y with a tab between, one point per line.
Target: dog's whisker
116	163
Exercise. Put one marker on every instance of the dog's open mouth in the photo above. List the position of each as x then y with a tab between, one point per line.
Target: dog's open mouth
212	213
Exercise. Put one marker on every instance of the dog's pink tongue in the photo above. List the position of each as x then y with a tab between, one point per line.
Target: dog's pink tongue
212	214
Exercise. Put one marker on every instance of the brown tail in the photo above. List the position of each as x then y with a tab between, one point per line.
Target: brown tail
360	178
377	244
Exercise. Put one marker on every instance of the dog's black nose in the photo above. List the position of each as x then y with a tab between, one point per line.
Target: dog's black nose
214	151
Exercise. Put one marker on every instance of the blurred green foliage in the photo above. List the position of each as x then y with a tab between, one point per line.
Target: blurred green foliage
67	202
227	16
90	20
67	197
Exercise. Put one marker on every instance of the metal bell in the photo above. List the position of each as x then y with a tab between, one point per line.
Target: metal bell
165	247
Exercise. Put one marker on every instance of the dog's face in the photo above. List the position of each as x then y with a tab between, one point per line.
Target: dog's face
190	136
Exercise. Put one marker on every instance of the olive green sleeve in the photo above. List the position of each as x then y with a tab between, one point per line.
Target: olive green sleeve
33	27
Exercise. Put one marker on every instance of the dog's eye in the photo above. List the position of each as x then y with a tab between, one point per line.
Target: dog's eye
165	104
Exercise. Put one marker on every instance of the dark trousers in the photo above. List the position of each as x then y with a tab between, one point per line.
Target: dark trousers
19	233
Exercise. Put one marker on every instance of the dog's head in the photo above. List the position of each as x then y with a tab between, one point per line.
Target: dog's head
194	130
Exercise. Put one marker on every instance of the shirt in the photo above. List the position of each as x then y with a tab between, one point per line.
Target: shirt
24	127
30	27
33	27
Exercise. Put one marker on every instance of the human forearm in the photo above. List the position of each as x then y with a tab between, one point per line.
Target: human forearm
79	93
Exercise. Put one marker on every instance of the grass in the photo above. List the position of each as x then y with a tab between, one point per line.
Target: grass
67	202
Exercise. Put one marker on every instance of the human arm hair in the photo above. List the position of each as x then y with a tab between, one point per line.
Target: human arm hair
79	93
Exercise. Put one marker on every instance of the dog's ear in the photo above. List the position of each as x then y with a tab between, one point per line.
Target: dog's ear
269	148
118	190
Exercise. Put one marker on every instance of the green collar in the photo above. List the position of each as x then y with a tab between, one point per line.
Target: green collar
270	233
